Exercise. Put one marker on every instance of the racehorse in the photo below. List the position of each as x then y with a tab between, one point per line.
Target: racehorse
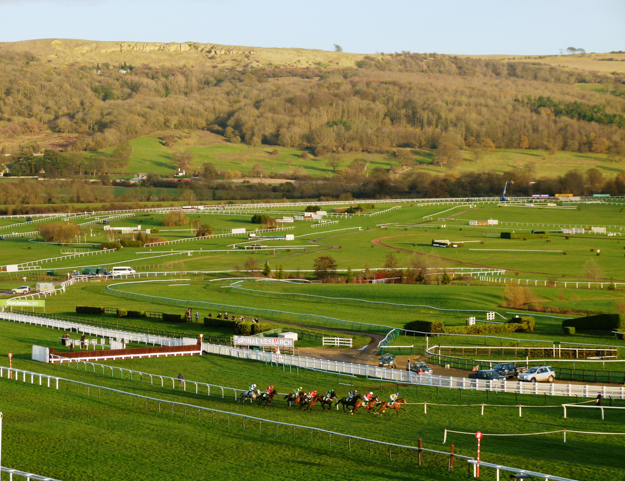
297	399
267	398
251	395
369	405
396	406
348	402
327	401
311	402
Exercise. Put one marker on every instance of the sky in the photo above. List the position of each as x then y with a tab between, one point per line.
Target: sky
471	27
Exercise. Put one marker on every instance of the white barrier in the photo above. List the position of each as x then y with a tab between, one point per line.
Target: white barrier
24	474
499	467
546	283
337	341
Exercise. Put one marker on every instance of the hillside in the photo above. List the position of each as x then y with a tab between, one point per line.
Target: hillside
402	109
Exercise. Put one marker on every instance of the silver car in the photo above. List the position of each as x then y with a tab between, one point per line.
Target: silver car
538	373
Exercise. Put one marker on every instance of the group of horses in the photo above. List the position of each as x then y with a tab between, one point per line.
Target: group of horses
374	405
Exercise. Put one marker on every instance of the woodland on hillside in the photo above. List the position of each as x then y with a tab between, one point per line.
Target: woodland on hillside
401	100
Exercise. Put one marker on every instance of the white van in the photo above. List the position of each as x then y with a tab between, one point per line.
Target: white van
119	271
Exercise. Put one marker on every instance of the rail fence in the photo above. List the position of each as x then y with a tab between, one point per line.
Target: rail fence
56	382
20	234
552	283
64	257
337	341
17	474
213	236
520	473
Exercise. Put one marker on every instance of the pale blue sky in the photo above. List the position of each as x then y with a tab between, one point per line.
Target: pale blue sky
363	26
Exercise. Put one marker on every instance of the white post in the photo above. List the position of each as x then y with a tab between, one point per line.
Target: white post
0	441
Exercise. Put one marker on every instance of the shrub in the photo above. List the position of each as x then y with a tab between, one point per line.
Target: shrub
312	208
528	323
263	219
225	323
110	245
485	329
569	330
258	328
244	328
524	236
136	314
122	313
90	310
174	317
425	326
603	322
130	243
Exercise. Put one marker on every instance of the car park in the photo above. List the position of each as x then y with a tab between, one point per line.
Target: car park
488	374
421	366
538	373
21	290
387	360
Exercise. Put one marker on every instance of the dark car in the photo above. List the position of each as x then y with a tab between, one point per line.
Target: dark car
486	374
508	369
421	366
387	360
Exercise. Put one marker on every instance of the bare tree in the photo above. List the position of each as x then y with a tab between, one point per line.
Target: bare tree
338	48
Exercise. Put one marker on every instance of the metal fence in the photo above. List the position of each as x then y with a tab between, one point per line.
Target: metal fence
58	382
551	283
17	474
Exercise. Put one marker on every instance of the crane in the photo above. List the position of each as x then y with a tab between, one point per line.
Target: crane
503	196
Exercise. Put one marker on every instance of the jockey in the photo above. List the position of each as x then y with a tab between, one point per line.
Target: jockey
352	394
252	387
269	390
394	397
311	395
297	391
329	394
368	397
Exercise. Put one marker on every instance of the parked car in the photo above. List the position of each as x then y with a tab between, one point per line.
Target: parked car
508	369
421	366
21	290
387	360
538	373
486	374
119	271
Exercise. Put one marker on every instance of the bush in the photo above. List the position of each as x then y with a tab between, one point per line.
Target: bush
258	328
485	329
225	323
312	208
529	323
90	310
569	330
524	236
244	328
122	313
110	245
263	219
603	322
174	317
130	243
425	326
136	314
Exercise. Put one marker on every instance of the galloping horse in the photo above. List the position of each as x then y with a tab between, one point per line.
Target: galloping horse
396	406
369	405
350	403
251	395
311	402
327	401
267	398
293	398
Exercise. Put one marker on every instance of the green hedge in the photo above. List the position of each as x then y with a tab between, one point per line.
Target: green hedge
136	314
90	310
174	317
425	326
122	313
529	323
485	329
244	328
258	328
569	330
130	243
602	322
523	235
215	322
110	245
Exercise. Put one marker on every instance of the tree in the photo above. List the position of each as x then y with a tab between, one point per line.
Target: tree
404	157
600	146
204	230
447	155
175	218
593	270
257	170
516	296
391	266
325	267
209	171
334	162
594	180
350	276
280	272
59	231
571	50
338	48
183	159
524	143
266	269
251	266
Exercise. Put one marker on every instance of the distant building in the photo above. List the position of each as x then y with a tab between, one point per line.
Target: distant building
180	172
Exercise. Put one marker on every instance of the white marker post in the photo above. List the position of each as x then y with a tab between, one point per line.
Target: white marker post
10	365
0	444
478	435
